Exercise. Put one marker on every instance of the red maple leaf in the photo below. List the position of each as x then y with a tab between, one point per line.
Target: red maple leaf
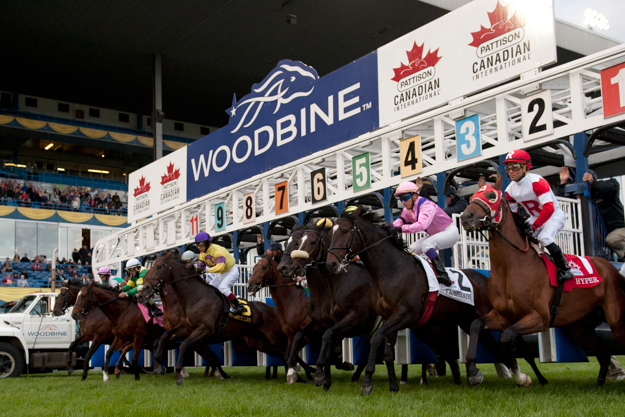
499	24
142	188
170	175
415	62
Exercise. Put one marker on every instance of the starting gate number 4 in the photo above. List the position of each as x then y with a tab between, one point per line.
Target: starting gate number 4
410	154
468	140
249	212
282	197
220	217
318	185
536	116
361	172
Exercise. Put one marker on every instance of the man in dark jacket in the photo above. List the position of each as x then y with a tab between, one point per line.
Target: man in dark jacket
455	204
605	193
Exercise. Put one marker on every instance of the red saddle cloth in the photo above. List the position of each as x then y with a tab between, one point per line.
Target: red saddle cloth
585	274
146	315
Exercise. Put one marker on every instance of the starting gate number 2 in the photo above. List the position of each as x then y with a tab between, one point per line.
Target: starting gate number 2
536	116
220	216
282	197
249	212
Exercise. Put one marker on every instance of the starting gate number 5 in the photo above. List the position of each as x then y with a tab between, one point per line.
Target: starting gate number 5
536	115
220	217
282	197
249	214
468	141
361	172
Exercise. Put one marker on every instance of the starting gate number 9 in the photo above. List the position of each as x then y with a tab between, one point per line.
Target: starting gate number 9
249	212
220	217
361	172
410	155
282	197
318	185
468	141
536	116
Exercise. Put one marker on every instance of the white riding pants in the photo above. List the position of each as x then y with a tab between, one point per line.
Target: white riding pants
549	230
439	241
223	282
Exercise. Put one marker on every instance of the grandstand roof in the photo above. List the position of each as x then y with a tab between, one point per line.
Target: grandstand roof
100	53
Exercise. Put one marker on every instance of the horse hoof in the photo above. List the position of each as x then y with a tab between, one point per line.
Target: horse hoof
524	382
366	389
184	373
137	377
298	368
179	380
291	376
403	382
393	390
156	369
319	380
83	379
476	379
347	366
326	387
70	371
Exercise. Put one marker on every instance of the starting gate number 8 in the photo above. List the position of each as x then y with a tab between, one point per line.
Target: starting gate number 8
249	214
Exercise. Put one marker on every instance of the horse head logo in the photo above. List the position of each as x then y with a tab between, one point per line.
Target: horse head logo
288	81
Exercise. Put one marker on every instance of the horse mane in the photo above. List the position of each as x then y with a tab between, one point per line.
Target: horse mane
75	282
106	287
374	218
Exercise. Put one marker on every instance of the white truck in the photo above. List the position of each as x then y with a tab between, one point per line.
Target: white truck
30	336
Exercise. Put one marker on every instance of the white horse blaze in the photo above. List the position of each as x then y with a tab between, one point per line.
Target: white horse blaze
302	244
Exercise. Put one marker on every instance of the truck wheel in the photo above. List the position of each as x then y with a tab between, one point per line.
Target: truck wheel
11	361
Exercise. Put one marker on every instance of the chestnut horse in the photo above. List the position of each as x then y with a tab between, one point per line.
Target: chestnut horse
520	291
130	329
201	307
403	289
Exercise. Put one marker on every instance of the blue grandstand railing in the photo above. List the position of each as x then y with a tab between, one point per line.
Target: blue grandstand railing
78	123
42	278
64	207
22	174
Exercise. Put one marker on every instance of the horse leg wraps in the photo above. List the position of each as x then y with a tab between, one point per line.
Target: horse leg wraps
522	380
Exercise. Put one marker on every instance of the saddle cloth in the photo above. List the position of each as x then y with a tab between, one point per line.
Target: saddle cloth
586	275
246	316
461	288
146	315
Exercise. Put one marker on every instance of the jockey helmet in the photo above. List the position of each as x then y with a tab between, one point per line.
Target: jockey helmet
133	263
104	271
406	187
188	255
204	238
519	157
275	246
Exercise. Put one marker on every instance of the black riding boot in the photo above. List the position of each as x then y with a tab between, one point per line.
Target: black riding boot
154	310
564	272
237	307
442	277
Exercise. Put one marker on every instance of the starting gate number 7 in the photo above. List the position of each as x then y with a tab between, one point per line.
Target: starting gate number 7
282	197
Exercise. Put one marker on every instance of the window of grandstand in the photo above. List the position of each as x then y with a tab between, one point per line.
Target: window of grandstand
149	122
80	114
94	112
31	102
6	99
124	117
63	107
204	130
179	127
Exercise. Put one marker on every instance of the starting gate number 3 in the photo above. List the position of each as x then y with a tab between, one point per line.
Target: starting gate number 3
249	212
220	217
410	154
536	116
282	197
468	141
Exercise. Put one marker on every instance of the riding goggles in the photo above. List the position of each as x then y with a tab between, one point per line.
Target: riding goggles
513	167
405	197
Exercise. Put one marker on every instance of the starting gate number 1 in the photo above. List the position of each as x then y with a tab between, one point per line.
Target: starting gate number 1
249	212
536	116
195	225
220	216
410	155
361	172
282	197
318	185
468	141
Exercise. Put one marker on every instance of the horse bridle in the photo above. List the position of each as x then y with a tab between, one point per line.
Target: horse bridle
86	309
263	284
158	288
493	227
350	252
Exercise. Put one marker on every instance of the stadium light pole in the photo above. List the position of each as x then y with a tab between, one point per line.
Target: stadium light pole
157	109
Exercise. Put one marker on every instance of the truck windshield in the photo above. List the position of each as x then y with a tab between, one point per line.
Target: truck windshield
23	304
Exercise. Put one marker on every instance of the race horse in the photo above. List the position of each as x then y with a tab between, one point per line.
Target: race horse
203	309
130	329
403	292
520	291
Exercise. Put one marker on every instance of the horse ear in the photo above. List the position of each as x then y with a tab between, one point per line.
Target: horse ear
91	284
498	182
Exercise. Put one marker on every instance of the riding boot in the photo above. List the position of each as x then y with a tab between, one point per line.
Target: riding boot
154	310
564	272
237	307
442	277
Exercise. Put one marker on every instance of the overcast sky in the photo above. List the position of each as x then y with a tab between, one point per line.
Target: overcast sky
614	10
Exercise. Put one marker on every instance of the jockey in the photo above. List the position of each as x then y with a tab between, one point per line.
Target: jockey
189	258
534	193
134	279
106	278
221	271
423	215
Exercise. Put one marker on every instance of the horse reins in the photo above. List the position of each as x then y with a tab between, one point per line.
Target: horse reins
494	227
350	254
86	309
264	284
158	288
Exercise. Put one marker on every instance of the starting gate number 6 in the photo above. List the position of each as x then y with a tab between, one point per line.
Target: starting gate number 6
536	115
318	185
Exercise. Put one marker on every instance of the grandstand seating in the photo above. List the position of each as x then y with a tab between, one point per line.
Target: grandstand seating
41	279
51	206
22	174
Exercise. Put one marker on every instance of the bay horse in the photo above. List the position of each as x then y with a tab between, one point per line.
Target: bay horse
201	306
403	290
130	329
520	292
290	301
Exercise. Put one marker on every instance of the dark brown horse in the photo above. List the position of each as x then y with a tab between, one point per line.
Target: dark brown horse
402	284
521	294
290	300
201	307
130	329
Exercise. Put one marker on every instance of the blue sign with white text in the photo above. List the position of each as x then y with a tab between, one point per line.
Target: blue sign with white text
292	113
468	140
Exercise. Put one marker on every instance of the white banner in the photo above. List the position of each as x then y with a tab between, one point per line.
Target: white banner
476	46
158	186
